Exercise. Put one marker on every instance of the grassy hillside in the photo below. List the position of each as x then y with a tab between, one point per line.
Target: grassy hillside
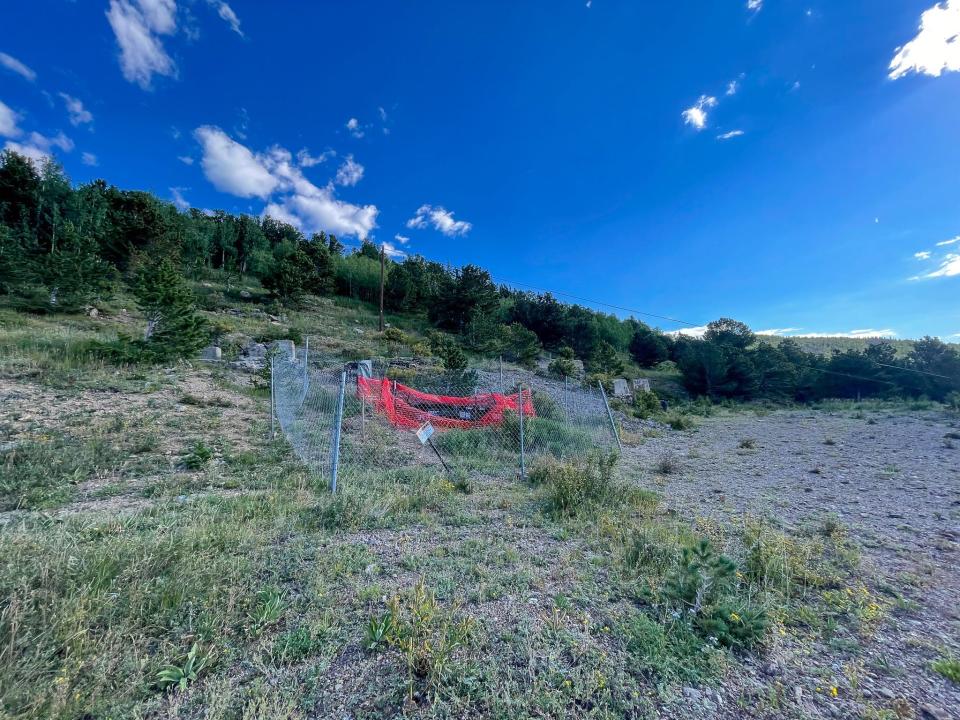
165	558
826	345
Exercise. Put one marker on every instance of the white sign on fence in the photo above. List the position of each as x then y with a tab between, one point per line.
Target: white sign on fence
424	432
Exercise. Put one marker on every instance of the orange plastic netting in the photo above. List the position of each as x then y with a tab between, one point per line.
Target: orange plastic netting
407	408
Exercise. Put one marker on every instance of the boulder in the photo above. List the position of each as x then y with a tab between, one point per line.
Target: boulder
641	385
245	294
254	350
621	388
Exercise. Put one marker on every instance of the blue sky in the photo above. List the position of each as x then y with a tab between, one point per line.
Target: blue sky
791	164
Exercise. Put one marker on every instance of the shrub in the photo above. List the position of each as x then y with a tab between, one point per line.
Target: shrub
276	332
575	485
424	633
704	587
646	404
667	464
395	335
948	667
562	367
952	400
747	444
198	456
676	421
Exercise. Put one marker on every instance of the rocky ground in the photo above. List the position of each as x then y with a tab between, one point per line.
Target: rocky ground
892	481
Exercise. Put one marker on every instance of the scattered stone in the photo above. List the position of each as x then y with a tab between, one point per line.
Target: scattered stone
254	350
211	353
94	313
692	694
620	388
245	294
929	712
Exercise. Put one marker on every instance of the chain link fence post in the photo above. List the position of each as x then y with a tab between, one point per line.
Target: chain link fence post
335	443
273	399
523	459
613	425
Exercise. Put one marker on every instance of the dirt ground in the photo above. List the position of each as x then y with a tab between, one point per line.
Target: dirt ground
893	482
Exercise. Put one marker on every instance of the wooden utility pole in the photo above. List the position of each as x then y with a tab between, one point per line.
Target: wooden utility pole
383	263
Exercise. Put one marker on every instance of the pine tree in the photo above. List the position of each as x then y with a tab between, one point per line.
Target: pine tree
174	329
74	273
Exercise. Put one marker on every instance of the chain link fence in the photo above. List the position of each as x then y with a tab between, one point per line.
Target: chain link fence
346	420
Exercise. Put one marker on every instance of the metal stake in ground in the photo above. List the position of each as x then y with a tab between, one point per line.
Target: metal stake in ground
335	443
613	425
523	459
273	402
425	436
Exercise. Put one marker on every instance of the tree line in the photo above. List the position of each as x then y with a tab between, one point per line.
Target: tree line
63	248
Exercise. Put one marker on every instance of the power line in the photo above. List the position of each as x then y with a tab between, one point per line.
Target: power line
600	302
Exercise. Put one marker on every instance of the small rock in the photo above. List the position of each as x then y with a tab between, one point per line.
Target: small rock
245	294
94	313
211	352
798	694
692	693
929	712
885	693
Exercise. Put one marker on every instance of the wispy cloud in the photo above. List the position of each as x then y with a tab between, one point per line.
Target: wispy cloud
350	172
79	115
936	48
90	159
227	14
696	115
391	251
949	267
402	239
8	122
14	65
178	199
353	125
778	332
922	255
305	159
730	135
441	219
185	159
138	30
38	148
755	5
951	241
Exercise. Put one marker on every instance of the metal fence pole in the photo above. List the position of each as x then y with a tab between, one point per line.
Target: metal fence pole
338	418
502	391
523	459
273	396
613	425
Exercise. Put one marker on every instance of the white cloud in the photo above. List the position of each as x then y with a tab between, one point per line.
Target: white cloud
949	267
11	63
305	159
178	199
350	173
227	14
402	239
231	167
951	241
78	114
185	159
732	87
697	114
778	332
755	5
274	176
936	48
855	334
729	135
8	122
38	148
138	30
922	255
441	219
383	114
353	125
89	159
691	332
391	251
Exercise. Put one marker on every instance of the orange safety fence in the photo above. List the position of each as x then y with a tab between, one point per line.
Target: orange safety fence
407	408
